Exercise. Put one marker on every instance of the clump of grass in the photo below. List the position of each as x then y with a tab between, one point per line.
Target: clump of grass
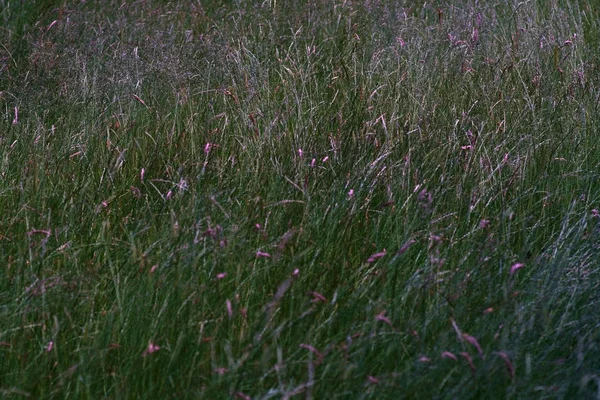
347	199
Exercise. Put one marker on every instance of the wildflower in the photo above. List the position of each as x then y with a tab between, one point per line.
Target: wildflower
300	153
351	193
16	118
376	256
473	342
182	185
207	148
425	198
229	308
406	245
314	351
475	35
381	317
484	223
424	359
296	272
150	349
262	254
372	380
137	193
325	159
595	213
50	346
447	354
471	137
516	267
467	357
435	238
313	162
317	297
221	275
221	370
142	173
509	364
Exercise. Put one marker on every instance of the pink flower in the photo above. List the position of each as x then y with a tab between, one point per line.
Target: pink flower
475	34
325	159
137	193
351	193
447	354
150	349
381	317
484	223
516	267
221	370
16	118
435	238
296	272
474	342
142	173
313	162
50	346
595	213
207	148
314	351
509	364
221	275
425	198
424	359
372	380
229	308
406	245
262	254
300	153
317	297
376	256
467	357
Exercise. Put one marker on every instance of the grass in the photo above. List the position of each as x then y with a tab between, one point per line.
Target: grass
299	199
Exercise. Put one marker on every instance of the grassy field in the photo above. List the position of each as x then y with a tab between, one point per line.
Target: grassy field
306	199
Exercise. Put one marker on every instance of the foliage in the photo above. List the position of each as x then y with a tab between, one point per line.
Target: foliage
329	199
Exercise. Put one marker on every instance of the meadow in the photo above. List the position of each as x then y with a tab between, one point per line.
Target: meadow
300	200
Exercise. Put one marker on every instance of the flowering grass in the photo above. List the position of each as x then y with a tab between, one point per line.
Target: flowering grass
314	199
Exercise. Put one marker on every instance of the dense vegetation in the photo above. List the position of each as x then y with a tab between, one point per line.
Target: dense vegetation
308	199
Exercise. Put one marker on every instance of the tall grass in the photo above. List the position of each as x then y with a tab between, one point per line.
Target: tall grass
314	199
